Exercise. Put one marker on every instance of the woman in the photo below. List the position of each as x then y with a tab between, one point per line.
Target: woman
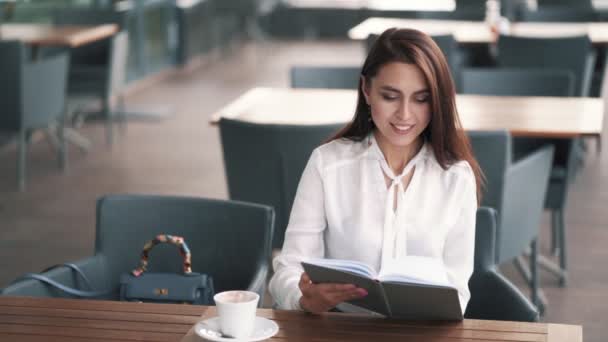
399	180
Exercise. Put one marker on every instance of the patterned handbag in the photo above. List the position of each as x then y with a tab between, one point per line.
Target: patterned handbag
189	287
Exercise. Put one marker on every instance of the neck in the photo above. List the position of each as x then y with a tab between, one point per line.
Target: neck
397	157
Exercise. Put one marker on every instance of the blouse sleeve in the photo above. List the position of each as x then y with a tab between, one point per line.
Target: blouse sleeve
303	237
459	250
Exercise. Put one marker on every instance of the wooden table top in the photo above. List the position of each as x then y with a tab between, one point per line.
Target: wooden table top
472	32
379	5
24	319
48	35
522	116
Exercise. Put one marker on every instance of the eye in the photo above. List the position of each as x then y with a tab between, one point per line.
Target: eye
423	98
389	97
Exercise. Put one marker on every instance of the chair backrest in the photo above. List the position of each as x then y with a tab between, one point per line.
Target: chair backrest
96	53
12	55
569	53
493	296
523	199
561	14
43	90
492	149
33	93
326	77
228	240
119	56
565	3
264	163
462	13
517	82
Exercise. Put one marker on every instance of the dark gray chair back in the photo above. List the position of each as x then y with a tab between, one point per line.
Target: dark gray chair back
564	3
493	296
492	149
96	53
228	240
569	53
325	77
523	199
561	14
264	163
12	55
517	82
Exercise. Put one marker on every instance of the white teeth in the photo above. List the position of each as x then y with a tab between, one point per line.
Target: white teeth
402	128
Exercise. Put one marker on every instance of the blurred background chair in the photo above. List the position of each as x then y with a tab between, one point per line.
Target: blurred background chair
325	77
575	4
229	241
98	70
32	97
517	81
493	296
517	191
264	163
538	82
569	53
561	14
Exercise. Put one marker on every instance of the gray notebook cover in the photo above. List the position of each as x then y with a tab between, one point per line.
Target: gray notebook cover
397	300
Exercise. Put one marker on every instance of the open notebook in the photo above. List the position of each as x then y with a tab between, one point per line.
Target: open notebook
412	288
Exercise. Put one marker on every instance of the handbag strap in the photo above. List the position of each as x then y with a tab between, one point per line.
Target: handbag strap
184	251
76	269
69	290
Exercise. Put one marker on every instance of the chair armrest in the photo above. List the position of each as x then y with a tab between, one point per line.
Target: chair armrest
92	267
258	284
43	90
588	74
523	198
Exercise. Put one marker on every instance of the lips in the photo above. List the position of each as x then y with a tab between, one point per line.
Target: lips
402	128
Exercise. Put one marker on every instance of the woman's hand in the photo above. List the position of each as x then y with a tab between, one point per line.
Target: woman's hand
318	298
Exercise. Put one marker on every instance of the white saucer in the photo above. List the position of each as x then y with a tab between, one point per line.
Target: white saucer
209	329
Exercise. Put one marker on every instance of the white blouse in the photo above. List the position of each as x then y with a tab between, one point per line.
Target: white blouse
343	210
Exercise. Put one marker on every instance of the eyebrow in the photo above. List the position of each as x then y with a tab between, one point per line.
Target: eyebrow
389	88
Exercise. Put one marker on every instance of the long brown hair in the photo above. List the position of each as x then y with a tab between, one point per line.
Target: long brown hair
444	132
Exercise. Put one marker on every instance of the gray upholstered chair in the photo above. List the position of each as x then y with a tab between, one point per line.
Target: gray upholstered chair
561	14
517	191
32	97
565	3
517	81
264	163
537	82
229	241
493	296
98	70
325	77
568	53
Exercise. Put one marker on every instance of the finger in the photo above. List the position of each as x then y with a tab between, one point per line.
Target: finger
336	287
337	298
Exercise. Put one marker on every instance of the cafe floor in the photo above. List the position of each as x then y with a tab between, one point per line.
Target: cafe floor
53	221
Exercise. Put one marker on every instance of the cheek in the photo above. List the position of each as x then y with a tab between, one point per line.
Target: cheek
382	110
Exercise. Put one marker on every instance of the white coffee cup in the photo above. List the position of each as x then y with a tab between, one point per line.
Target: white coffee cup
236	310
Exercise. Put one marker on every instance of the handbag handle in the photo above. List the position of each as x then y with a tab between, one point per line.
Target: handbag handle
164	238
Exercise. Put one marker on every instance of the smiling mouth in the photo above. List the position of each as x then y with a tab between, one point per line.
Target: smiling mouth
402	129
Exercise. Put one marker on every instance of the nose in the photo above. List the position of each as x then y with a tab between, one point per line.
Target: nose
404	111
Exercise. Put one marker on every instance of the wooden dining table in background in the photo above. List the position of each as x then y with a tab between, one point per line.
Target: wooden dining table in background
478	32
555	117
27	319
38	35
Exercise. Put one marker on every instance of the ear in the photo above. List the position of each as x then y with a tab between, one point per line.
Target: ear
365	86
